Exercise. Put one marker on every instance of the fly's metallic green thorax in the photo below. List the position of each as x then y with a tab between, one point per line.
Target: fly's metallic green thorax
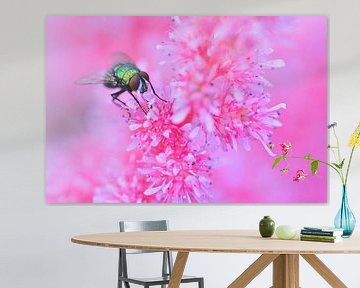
124	72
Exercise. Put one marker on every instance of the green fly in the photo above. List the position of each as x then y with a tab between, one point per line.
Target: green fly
127	77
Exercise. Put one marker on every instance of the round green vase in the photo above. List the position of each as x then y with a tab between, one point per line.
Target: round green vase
267	227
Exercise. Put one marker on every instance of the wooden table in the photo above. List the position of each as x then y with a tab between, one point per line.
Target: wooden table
284	254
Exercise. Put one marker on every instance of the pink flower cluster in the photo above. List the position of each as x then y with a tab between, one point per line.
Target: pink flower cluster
300	175
284	151
174	164
285	148
219	66
124	188
218	98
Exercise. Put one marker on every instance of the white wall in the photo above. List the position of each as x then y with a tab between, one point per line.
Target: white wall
35	248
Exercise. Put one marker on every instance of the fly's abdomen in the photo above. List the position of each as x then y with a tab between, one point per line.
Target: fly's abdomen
125	72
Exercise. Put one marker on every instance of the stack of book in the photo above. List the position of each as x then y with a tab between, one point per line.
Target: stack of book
321	234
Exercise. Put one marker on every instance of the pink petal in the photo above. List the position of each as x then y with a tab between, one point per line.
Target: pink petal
152	190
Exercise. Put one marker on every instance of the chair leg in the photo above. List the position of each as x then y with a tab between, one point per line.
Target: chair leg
120	270
201	283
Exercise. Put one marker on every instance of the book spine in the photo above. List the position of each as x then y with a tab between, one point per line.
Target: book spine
317	239
319	236
320	233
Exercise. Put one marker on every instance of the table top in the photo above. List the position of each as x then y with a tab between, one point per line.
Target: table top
217	241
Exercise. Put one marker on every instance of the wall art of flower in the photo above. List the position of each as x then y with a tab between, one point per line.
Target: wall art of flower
184	109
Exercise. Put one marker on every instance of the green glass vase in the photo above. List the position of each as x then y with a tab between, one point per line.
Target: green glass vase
266	227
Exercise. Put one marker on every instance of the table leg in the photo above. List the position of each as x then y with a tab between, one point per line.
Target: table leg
324	271
253	270
178	269
286	271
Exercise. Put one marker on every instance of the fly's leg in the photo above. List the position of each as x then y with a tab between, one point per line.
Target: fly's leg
115	97
137	101
152	88
147	101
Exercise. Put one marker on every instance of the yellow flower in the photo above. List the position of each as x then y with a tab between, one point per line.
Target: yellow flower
355	138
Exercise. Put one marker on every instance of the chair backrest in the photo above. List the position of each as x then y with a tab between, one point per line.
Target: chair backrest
137	226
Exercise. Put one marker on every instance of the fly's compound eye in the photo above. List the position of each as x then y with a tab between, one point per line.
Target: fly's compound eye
144	75
134	82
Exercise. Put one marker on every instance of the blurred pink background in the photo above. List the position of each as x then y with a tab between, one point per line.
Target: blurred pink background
87	138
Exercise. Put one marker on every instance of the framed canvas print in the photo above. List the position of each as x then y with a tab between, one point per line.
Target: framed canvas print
185	109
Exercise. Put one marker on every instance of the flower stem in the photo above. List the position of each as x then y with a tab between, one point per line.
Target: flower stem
340	159
337	144
323	162
333	152
350	159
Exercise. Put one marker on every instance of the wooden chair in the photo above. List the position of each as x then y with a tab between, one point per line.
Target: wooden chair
167	262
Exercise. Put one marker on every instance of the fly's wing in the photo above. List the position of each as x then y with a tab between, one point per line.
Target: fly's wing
120	58
105	78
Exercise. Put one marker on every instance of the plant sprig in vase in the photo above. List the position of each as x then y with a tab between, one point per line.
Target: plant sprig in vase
344	219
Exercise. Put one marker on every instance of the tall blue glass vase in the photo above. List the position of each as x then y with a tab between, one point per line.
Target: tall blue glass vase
345	219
